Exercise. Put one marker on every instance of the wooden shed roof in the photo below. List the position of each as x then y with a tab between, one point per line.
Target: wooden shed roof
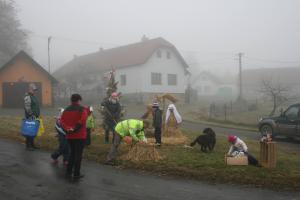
24	55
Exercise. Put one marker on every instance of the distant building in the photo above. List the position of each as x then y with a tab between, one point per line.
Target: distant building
143	69
15	77
210	86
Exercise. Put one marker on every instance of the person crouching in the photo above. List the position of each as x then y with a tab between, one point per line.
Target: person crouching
131	131
238	147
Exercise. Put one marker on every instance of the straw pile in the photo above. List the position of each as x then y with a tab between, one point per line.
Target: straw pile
142	152
172	132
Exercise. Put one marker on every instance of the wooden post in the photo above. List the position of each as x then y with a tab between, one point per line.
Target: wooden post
268	154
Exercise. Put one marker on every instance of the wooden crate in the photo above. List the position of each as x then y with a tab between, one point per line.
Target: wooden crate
237	160
268	154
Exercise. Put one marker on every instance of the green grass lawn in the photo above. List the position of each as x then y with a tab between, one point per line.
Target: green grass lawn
180	161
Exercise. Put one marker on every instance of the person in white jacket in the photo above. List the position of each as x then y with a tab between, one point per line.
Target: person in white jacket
239	147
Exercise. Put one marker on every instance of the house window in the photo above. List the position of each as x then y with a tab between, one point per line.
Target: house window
123	79
158	53
168	55
156	78
172	79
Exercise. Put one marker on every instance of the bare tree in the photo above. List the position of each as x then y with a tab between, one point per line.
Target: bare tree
276	92
12	37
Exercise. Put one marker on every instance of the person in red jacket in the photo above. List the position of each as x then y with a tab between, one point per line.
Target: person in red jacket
73	121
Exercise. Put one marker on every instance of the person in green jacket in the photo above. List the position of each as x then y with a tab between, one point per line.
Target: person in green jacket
32	111
131	131
90	126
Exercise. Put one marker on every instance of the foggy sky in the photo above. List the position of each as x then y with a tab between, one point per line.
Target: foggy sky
209	33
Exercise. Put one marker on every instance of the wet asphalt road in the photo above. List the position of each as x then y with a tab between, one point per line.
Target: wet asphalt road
26	175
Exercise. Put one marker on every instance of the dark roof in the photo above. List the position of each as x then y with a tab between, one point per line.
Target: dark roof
287	76
23	54
123	56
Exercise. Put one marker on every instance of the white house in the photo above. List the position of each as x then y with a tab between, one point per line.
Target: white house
209	85
143	69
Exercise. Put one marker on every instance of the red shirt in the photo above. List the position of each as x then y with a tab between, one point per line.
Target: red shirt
74	117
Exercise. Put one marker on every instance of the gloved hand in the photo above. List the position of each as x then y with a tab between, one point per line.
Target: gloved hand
71	130
127	140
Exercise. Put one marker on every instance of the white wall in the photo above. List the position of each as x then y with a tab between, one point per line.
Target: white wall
139	77
133	79
200	85
164	66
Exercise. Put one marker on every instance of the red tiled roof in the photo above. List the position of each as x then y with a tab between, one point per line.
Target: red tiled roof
124	56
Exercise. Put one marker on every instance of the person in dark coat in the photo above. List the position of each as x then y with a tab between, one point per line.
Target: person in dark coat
73	122
157	123
112	113
32	111
63	146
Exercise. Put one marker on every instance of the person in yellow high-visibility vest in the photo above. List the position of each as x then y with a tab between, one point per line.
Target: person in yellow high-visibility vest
131	131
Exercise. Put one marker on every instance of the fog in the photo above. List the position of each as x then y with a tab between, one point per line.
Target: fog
208	33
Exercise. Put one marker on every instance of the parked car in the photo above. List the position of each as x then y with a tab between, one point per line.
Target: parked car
287	124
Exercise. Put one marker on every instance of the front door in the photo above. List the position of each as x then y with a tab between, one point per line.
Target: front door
13	93
287	124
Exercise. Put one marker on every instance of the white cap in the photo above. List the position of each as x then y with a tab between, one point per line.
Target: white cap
32	86
61	110
91	108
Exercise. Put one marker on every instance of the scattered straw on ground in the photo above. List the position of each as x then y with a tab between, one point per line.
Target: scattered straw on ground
170	140
142	152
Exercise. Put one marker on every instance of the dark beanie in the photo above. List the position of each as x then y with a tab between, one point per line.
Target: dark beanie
75	97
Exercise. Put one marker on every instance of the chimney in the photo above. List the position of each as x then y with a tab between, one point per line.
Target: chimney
144	38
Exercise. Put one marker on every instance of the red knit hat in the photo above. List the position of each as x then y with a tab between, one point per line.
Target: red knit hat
114	94
231	138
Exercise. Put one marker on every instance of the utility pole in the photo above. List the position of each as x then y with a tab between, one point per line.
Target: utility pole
240	76
49	67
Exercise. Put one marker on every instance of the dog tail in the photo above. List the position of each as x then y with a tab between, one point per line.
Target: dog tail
194	142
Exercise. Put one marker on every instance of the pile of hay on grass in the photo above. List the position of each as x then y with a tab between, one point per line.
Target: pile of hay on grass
142	152
171	132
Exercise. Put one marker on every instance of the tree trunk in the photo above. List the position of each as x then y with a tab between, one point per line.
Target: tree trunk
274	107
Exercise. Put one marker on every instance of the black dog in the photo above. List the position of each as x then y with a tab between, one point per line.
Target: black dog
207	140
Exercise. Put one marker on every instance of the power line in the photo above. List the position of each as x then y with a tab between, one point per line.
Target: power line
112	44
271	61
182	50
74	40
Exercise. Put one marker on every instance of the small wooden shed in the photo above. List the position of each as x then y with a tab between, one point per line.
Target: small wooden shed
15	77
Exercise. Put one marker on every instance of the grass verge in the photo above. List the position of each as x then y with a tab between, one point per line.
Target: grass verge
179	161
